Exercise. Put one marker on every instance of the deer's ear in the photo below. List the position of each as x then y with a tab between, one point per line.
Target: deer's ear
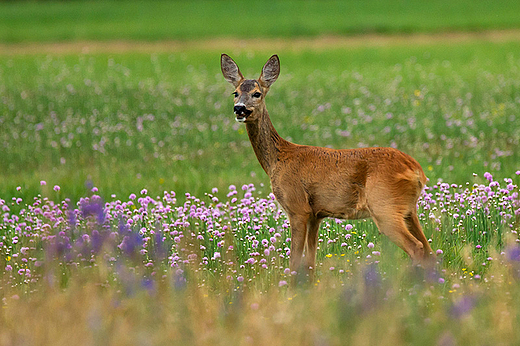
230	70
270	72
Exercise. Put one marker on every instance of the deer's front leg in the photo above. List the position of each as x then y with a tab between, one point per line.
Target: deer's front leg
313	227
298	235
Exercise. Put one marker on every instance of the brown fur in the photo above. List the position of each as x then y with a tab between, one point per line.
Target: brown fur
312	183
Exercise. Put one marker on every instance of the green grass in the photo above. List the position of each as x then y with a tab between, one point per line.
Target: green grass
165	122
183	20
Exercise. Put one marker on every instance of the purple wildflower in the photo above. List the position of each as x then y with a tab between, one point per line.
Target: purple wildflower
462	307
131	243
93	207
513	254
372	276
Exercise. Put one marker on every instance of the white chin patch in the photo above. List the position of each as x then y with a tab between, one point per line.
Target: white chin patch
240	120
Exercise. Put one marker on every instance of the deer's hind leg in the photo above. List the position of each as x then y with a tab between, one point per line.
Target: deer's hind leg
388	215
392	205
413	225
394	227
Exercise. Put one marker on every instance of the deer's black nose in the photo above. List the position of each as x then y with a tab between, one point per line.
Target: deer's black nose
239	109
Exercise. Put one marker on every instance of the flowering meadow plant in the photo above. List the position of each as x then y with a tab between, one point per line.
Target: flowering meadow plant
244	237
212	257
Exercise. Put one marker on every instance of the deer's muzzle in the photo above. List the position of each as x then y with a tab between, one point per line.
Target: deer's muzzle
241	112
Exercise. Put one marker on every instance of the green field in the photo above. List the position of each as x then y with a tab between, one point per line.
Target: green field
134	211
22	21
165	122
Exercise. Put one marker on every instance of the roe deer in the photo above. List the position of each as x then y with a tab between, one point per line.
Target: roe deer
312	183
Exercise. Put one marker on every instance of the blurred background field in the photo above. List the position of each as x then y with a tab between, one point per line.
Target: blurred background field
117	102
37	21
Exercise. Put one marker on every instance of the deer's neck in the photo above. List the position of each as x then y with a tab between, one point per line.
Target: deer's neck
266	142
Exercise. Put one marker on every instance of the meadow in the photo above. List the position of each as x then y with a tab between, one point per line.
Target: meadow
133	209
164	121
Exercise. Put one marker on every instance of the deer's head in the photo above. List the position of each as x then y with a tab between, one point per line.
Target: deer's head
249	93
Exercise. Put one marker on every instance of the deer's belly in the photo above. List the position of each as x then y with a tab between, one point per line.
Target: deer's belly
348	214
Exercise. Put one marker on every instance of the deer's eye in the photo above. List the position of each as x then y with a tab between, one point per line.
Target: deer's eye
257	94
235	94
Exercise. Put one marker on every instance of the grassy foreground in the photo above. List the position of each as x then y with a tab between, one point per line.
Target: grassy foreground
28	21
215	271
362	313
